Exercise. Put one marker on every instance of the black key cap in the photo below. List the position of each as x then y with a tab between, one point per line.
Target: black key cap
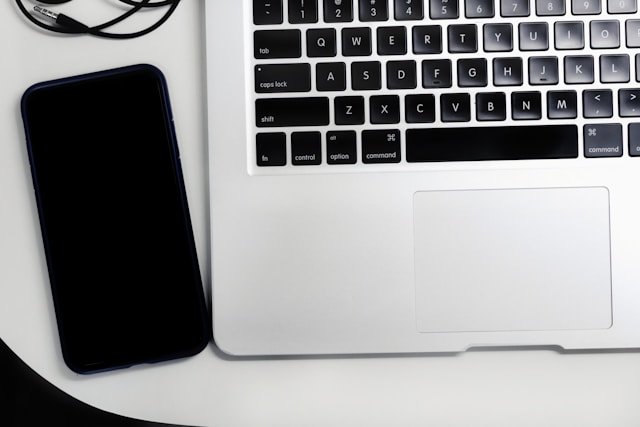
303	11
366	75
498	37
384	109
285	112
534	36
603	140
514	8
392	41
443	9
605	34
381	146
427	39
614	68
267	12
543	70
455	107
507	71
633	32
269	44
492	143
629	102
526	106
634	139
463	38
597	103
472	72
550	7
638	67
401	75
436	73
321	43
562	104
338	11
478	9
622	6
408	10
420	108
374	10
349	110
586	7
491	106
306	148
276	78
341	148
578	69
569	35
331	76
356	41
271	149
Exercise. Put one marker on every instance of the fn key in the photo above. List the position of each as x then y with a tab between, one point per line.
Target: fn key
271	149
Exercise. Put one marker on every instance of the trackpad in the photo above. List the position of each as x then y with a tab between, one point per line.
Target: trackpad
509	260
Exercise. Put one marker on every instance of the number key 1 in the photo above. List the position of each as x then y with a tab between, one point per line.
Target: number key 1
514	7
585	7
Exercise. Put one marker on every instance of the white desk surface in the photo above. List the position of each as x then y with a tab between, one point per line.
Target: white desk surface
536	387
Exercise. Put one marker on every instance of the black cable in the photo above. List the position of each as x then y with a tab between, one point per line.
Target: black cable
68	25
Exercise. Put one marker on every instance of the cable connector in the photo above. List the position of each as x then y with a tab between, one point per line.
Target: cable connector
62	20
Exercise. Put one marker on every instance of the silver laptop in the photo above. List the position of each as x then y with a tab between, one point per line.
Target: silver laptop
392	176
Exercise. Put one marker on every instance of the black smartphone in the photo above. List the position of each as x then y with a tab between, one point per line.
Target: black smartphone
114	218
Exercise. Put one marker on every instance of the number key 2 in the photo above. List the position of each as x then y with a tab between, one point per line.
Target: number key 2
444	9
407	10
338	10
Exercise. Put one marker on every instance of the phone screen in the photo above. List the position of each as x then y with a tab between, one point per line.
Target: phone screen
114	219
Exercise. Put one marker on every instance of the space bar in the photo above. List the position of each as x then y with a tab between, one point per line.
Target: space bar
492	143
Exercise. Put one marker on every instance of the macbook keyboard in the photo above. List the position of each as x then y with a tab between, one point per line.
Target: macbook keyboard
345	82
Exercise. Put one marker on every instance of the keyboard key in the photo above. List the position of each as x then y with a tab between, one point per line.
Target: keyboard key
605	34
562	104
276	78
392	41
271	149
526	106
491	106
634	139
408	10
614	68
384	109
374	10
349	110
401	75
356	41
455	107
427	39
507	71
271	44
443	9
420	108
331	77
463	38
303	11
569	35
638	67
550	7
543	70
472	72
633	33
321	43
306	148
597	103
498	37
338	10
622	6
492	143
366	76
286	112
629	102
436	73
578	69
267	12
478	8
586	7
603	140
534	36
381	146
514	8
341	148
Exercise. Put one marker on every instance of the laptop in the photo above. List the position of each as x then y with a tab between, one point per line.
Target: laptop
408	176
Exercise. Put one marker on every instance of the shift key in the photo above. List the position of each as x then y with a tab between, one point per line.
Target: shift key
276	78
285	112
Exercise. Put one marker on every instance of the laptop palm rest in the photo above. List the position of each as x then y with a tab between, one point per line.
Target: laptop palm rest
512	260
